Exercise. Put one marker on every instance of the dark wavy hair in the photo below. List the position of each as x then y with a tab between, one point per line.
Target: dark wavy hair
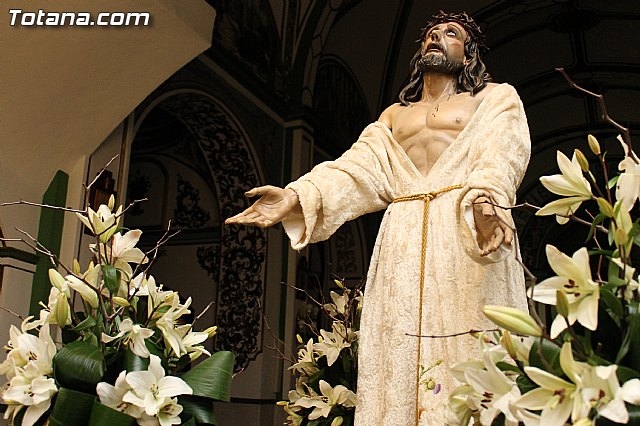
473	77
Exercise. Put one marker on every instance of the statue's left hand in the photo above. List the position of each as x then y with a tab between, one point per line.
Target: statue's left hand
492	225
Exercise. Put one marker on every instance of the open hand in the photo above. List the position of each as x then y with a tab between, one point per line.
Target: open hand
492	225
273	205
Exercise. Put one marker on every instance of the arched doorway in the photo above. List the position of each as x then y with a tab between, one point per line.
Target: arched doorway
193	161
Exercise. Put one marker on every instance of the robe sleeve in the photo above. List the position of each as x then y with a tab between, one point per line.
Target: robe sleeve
497	163
335	192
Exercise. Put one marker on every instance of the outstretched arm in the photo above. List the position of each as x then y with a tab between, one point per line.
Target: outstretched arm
274	205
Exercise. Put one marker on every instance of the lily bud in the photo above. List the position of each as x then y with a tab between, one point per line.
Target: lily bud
339	284
512	319
582	160
299	338
562	303
507	342
112	202
121	301
282	403
61	313
593	144
211	331
605	207
76	267
620	237
56	279
337	421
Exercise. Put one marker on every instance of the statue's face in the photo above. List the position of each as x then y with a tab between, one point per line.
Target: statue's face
443	48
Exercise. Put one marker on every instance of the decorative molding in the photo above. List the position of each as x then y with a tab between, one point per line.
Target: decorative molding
241	268
187	212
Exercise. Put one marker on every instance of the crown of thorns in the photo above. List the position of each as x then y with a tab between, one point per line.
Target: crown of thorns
463	19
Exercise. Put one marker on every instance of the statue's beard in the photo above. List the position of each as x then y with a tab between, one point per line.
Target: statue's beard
440	64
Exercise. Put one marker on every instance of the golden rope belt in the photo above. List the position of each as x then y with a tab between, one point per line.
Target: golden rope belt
426	198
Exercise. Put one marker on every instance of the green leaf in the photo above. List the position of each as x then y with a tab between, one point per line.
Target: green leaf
190	422
212	377
612	181
596	221
632	358
503	366
132	362
101	415
550	354
111	277
612	304
71	408
525	384
198	408
614	275
625	373
79	365
85	324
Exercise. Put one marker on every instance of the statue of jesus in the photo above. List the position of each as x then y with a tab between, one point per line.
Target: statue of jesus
443	162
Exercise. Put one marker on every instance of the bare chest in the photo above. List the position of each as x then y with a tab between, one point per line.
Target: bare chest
426	129
435	121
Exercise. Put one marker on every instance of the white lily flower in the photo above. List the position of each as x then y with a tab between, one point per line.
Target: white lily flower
152	390
191	340
136	335
169	413
628	184
27	349
458	411
339	305
112	396
574	280
601	389
103	223
123	248
306	360
80	285
332	342
570	183
557	398
330	397
167	324
33	392
554	397
156	297
495	392
632	284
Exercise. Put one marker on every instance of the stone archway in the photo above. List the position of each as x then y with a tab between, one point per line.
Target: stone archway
235	262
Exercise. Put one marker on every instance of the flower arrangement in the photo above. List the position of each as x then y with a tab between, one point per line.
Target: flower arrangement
326	367
584	369
126	354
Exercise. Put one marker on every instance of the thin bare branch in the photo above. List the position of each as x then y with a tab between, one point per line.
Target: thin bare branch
305	292
38	247
47	206
626	135
276	340
203	312
101	172
444	336
20	317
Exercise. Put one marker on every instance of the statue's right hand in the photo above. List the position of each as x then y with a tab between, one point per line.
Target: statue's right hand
273	205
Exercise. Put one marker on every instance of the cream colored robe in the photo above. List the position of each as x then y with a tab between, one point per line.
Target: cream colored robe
489	157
